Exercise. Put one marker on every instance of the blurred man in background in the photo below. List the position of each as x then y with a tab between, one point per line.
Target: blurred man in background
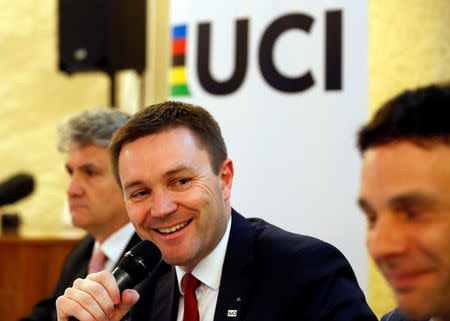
405	194
95	201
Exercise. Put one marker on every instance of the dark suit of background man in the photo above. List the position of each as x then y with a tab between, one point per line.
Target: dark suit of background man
172	164
405	194
95	200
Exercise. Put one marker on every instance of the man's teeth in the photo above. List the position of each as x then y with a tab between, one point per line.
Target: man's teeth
172	229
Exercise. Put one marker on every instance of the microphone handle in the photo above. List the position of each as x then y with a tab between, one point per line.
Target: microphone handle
124	281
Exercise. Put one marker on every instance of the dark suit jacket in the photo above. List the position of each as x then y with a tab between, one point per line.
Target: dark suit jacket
268	274
75	266
395	315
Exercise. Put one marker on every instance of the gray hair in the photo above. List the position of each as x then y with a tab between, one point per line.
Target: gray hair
95	126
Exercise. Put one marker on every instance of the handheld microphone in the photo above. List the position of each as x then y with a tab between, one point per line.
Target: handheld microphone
136	264
16	188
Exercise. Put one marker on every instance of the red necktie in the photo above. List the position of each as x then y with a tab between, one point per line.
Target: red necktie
190	284
97	262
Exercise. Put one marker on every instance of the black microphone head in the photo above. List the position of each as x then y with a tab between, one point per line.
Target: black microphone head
16	188
137	263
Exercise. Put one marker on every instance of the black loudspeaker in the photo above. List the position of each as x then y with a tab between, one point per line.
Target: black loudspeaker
102	35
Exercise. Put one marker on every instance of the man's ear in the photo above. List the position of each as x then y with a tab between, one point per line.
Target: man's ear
226	178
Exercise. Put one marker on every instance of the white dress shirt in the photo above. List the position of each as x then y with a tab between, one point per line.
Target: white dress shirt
114	245
209	272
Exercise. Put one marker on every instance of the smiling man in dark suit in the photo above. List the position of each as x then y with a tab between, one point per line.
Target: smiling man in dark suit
405	194
172	164
95	201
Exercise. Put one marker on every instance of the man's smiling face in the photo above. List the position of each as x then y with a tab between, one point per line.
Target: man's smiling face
172	195
405	194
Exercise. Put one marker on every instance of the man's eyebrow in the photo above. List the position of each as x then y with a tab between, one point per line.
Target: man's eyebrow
411	199
404	199
83	167
169	173
132	184
176	170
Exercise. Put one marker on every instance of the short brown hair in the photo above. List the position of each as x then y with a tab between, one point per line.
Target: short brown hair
171	114
418	115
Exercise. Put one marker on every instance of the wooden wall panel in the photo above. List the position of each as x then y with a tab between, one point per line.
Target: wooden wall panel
29	269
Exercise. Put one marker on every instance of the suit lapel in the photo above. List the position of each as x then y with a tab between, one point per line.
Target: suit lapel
159	296
165	305
236	281
82	255
135	239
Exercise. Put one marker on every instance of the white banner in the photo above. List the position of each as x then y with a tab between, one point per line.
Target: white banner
287	82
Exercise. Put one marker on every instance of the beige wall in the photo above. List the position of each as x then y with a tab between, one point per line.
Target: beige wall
34	97
408	46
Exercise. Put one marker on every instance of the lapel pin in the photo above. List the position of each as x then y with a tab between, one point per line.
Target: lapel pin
232	313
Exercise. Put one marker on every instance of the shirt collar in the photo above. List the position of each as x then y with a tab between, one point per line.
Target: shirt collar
209	270
116	243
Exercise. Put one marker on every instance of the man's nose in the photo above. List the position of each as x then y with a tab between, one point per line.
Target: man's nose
75	188
387	237
162	203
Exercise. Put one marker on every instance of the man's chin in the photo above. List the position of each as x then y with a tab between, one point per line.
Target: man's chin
414	314
78	225
183	262
79	220
414	309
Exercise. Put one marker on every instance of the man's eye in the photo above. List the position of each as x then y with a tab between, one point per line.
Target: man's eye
89	172
412	212
371	218
182	181
138	194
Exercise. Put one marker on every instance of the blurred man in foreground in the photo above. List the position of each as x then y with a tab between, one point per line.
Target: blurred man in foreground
95	201
405	194
172	164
